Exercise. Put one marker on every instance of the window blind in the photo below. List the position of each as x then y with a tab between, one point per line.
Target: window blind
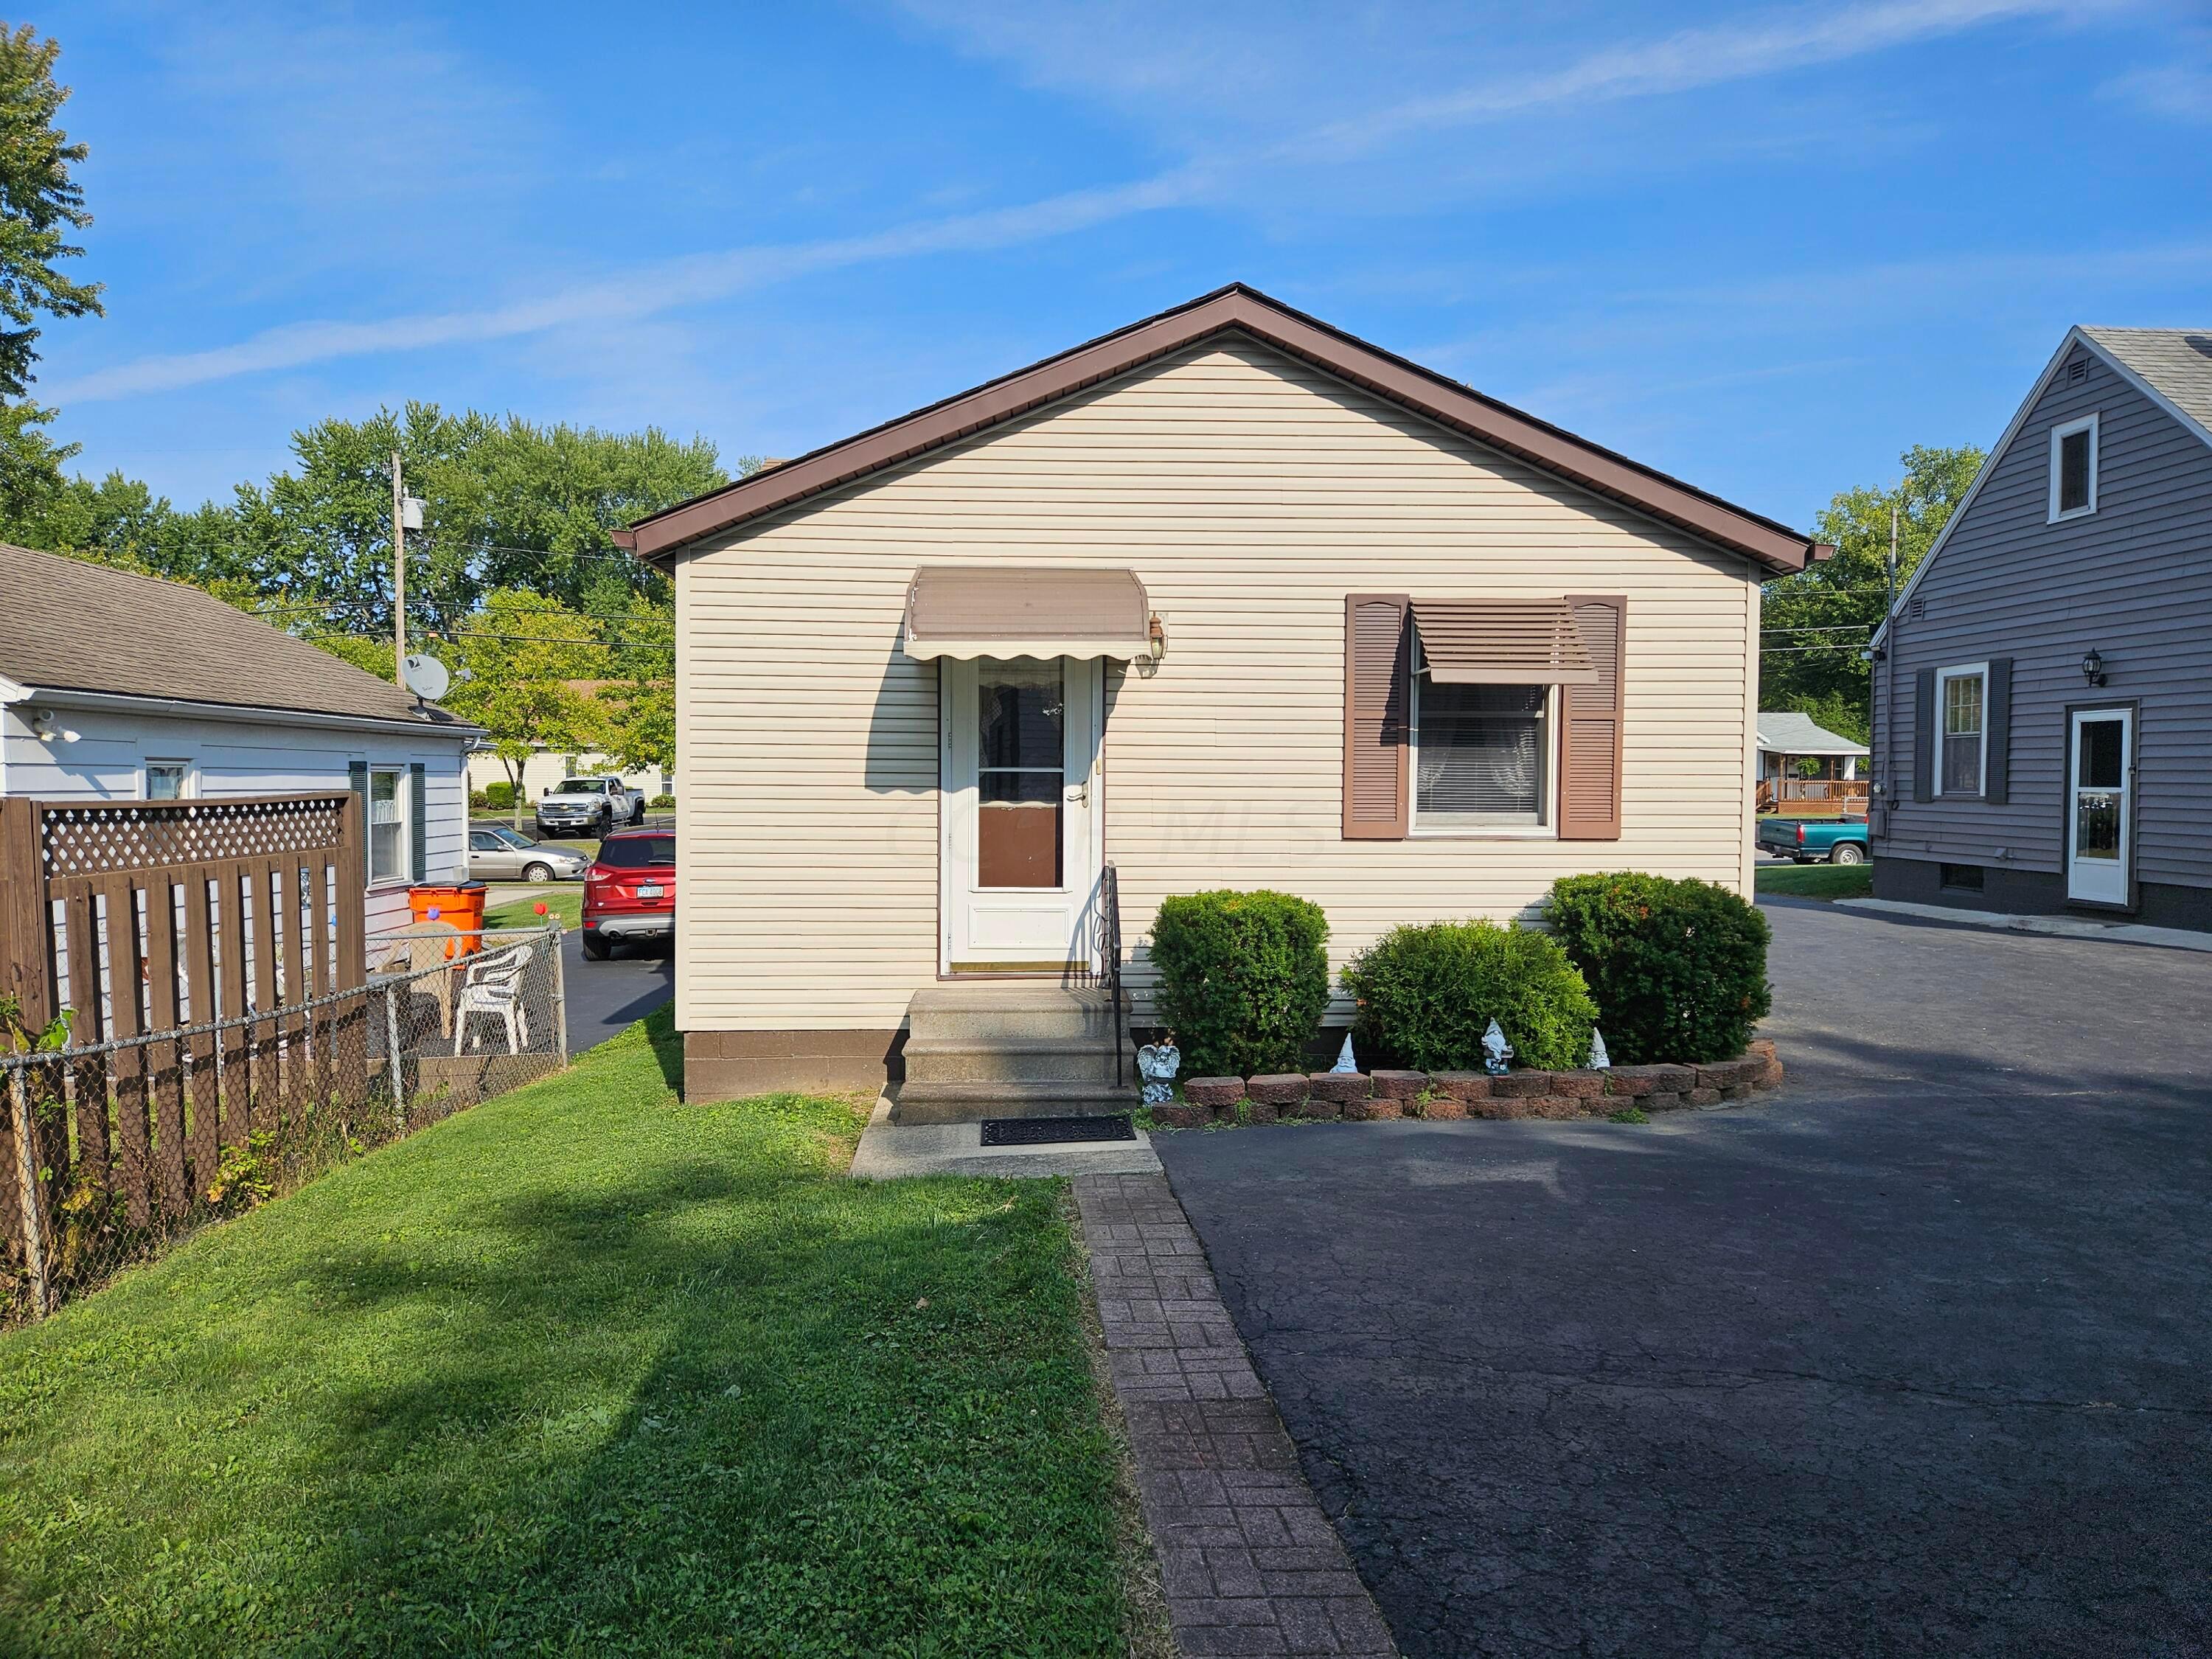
1480	751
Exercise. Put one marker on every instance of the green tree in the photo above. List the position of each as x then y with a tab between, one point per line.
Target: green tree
515	663
532	505
31	479
40	204
641	700
1815	625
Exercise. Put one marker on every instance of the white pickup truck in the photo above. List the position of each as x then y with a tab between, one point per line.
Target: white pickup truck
588	806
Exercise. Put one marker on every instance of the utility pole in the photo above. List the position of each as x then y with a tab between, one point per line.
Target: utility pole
398	574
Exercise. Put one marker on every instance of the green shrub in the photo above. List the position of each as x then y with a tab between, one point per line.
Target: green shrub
1428	991
1678	967
661	803
499	797
477	801
1243	979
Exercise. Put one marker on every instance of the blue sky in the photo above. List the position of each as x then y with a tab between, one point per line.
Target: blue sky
1761	246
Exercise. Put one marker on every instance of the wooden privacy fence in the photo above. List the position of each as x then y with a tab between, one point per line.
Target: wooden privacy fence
236	925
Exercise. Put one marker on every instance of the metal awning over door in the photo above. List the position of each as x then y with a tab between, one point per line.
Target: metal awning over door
966	612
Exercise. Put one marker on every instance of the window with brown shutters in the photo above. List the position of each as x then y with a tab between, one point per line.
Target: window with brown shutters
1591	724
1377	692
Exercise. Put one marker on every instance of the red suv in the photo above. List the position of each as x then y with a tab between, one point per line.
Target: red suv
630	891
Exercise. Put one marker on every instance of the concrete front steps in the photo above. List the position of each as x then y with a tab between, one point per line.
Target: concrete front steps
984	1048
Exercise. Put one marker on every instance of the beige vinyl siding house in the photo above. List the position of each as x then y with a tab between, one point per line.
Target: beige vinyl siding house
1252	492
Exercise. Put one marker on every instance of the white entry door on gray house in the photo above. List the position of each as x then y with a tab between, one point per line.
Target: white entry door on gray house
1021	849
2100	811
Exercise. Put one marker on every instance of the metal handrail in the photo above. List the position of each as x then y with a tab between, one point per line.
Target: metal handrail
1110	952
1105	930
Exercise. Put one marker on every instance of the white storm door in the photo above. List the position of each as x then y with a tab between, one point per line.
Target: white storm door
2100	813
1020	854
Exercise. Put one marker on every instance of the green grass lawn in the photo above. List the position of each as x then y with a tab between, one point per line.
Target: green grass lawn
1819	881
582	1371
564	904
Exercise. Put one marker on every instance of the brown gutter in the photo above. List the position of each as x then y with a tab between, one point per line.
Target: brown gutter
1236	308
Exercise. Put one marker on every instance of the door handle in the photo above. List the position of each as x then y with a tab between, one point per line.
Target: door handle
1080	794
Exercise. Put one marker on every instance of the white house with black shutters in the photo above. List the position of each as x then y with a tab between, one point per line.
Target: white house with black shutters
2043	689
116	687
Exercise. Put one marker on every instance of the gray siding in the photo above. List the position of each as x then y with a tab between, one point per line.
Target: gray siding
2134	580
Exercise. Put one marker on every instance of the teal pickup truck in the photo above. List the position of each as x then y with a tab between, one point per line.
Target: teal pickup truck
1815	841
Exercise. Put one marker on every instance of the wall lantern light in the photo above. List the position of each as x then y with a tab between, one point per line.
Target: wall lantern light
2093	667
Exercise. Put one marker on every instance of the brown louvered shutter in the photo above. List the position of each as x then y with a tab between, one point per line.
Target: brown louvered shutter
1377	689
1590	723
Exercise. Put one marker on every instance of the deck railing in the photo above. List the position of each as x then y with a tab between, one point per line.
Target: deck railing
1846	795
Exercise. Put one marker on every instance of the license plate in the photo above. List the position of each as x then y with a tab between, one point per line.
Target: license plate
650	890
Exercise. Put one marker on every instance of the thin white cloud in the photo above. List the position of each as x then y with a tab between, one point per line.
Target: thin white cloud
1765	44
640	292
2174	92
1692	60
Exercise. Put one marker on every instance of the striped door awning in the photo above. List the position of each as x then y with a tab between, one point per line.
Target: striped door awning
1502	642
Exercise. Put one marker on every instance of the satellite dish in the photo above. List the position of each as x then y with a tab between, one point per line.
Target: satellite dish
425	676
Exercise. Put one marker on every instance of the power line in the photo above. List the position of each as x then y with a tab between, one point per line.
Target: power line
511	639
346	604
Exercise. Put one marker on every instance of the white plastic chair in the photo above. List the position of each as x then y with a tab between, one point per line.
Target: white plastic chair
493	985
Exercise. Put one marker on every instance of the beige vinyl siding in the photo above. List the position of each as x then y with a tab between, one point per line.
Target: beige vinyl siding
1250	493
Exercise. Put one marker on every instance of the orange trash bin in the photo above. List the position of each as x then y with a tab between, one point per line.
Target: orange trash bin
459	905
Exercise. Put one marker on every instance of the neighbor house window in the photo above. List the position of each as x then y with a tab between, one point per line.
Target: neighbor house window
167	780
2074	469
1959	704
1479	754
387	824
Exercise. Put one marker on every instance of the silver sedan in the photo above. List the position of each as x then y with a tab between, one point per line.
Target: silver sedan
498	854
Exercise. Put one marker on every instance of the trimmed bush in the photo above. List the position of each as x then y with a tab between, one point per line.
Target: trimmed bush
1678	967
661	803
1243	979
1428	991
499	797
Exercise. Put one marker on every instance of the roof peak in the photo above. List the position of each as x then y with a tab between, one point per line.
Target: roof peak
1235	307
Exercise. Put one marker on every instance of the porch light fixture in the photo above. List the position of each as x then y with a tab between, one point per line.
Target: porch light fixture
2093	667
42	722
1157	630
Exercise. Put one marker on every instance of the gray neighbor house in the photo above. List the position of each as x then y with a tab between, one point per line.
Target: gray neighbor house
2043	688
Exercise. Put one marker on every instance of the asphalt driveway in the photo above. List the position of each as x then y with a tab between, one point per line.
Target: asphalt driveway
1912	1358
605	998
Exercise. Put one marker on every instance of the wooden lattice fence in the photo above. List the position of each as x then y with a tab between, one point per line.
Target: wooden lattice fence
136	918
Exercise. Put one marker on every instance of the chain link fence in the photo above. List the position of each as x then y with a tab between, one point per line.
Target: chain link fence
109	1149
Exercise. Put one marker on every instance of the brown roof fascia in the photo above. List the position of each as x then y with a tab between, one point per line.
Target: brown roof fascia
1492	424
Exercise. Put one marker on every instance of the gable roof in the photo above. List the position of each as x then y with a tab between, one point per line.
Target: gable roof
1782	732
71	625
2171	366
1248	311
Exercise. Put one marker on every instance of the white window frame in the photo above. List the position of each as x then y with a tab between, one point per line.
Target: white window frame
2058	436
406	861
1943	677
187	786
1547	827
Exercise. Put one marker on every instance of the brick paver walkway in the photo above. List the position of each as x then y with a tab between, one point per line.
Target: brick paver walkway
1249	1563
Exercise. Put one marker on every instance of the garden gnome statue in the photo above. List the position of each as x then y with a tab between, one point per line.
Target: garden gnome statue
1600	1060
1344	1062
1158	1062
1496	1050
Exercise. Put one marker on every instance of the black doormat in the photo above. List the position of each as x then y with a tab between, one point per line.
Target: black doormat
1052	1131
